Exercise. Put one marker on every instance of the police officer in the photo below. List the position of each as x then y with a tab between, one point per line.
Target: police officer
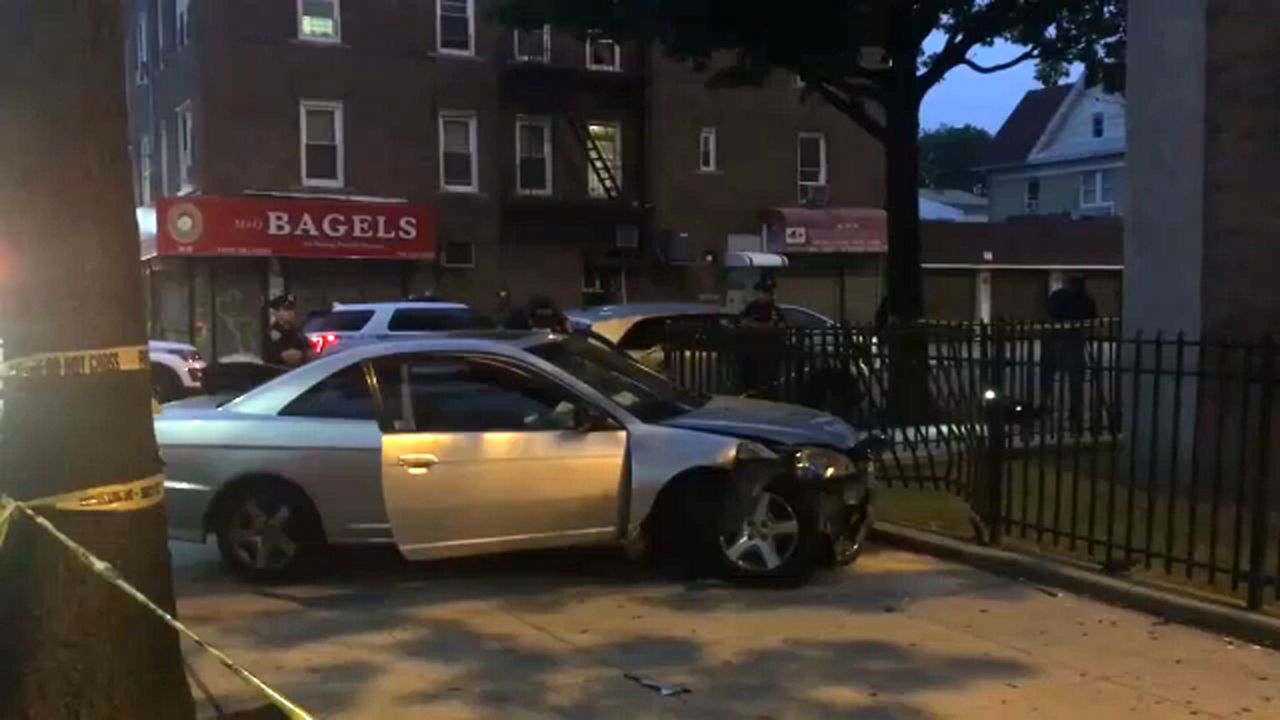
541	313
764	309
286	345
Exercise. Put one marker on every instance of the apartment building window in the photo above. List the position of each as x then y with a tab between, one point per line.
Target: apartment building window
144	170
534	45
140	43
458	254
322	143
459	165
186	148
456	26
1097	189
182	24
708	149
811	149
533	156
603	54
320	20
608	138
1099	125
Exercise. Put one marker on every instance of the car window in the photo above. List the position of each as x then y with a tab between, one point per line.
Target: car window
470	394
431	320
652	332
338	321
344	395
647	395
801	318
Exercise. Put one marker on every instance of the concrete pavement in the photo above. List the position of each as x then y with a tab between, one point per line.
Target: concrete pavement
551	635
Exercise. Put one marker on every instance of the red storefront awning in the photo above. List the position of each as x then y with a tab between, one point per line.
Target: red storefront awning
206	226
827	230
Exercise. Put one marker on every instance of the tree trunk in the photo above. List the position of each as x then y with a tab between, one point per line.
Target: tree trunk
902	170
73	645
909	396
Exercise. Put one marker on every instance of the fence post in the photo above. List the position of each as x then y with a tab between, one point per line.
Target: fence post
1259	540
995	411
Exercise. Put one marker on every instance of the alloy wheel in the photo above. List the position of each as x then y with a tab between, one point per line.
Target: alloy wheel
260	538
768	537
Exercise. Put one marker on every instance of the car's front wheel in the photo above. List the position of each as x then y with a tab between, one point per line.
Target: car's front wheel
778	539
773	540
268	531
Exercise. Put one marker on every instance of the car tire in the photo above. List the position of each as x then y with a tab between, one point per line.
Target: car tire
165	385
776	545
268	531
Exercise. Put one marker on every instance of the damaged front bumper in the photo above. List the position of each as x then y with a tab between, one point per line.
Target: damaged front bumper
845	493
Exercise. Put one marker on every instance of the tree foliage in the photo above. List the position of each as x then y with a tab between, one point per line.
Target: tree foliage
949	154
844	50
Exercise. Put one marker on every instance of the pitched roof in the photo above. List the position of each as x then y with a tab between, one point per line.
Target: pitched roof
1025	125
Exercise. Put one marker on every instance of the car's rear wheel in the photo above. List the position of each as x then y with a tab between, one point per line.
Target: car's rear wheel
268	531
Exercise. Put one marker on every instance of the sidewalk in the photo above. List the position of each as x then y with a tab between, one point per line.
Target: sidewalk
551	636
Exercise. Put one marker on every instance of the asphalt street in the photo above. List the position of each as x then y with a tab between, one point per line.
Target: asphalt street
575	635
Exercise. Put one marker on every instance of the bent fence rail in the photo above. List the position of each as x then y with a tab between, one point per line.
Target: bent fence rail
1139	452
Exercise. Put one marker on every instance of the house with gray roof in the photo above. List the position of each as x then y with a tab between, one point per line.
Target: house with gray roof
1060	153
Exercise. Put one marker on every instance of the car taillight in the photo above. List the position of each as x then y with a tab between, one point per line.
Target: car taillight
319	343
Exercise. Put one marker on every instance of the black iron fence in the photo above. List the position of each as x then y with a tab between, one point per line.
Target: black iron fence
1139	452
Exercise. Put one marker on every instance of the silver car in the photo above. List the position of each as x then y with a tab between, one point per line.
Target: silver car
463	445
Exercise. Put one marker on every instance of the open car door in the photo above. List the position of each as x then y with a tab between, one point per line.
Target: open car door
482	455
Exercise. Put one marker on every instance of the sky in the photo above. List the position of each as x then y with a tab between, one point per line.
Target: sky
966	97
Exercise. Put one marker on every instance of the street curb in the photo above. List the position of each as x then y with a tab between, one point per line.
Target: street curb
1255	628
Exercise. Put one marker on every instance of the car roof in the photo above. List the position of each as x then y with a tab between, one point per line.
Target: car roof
614	321
642	310
269	397
424	304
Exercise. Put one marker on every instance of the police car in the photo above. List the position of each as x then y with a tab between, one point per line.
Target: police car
349	324
176	369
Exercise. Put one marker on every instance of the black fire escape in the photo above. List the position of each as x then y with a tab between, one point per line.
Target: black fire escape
560	92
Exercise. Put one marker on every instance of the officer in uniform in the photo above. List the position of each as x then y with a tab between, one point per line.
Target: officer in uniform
286	345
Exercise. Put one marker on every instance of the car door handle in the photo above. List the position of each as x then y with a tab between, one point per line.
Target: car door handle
418	464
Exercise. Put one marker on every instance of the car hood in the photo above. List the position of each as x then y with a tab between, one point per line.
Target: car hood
769	422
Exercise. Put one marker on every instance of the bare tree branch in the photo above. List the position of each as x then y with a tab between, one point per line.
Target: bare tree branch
990	69
983	25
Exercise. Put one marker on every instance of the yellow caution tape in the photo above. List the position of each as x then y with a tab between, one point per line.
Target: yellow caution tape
121	497
78	362
125	497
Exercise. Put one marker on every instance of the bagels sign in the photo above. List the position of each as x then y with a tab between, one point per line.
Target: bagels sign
289	227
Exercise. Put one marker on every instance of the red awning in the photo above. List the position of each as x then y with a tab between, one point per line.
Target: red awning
827	230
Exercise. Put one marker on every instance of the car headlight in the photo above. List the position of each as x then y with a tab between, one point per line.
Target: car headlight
749	450
823	464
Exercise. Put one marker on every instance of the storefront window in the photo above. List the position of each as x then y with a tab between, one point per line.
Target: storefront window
171	298
202	309
239	306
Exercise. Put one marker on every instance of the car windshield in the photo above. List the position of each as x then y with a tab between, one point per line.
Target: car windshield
643	393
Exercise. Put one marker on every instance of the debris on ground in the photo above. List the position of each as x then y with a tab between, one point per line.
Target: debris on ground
663	690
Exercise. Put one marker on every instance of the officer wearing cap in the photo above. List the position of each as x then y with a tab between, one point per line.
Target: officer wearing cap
286	345
764	309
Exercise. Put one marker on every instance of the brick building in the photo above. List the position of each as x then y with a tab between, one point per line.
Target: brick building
533	162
